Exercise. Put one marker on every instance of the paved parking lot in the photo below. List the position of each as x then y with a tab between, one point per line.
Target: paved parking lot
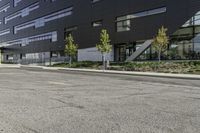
38	101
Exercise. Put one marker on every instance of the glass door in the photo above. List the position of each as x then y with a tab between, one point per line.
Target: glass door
123	51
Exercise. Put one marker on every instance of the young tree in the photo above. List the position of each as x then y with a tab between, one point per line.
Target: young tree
161	41
70	48
104	46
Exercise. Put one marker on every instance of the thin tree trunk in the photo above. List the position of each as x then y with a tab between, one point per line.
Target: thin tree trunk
70	61
159	56
0	56
104	63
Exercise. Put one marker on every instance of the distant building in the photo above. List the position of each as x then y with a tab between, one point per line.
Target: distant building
33	31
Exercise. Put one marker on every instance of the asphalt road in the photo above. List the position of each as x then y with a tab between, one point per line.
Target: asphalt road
38	101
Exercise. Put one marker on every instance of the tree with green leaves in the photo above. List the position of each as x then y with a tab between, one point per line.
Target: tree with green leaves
70	48
161	41
104	45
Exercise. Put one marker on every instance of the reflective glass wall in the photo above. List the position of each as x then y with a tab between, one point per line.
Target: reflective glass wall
185	43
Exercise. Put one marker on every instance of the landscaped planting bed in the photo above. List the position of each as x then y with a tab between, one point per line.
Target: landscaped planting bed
147	66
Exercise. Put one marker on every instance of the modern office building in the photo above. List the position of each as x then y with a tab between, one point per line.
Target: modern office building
33	31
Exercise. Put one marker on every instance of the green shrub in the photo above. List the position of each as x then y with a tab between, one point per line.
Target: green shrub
82	64
164	66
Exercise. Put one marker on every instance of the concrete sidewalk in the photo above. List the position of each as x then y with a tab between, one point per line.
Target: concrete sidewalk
150	74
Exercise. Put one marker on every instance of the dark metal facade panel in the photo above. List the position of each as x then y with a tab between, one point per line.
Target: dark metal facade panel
178	12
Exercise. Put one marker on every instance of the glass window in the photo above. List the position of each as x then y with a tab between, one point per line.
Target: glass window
124	22
40	22
4	8
124	25
25	41
4	32
97	23
95	1
16	2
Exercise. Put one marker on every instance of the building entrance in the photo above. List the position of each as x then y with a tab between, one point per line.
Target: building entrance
123	51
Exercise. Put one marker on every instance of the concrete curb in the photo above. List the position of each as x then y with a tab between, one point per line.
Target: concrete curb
149	74
9	66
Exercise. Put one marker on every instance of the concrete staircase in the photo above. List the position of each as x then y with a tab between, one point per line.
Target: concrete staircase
139	51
